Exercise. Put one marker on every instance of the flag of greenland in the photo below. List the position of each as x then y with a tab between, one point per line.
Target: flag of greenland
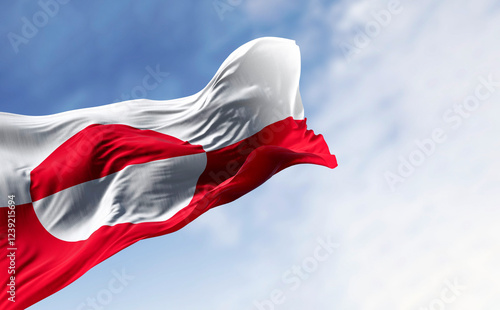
79	186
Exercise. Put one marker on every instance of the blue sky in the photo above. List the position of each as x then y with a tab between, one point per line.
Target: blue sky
377	85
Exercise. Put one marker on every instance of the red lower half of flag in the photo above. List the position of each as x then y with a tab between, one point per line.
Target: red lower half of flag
110	158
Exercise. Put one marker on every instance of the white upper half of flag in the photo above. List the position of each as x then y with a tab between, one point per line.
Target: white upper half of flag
257	85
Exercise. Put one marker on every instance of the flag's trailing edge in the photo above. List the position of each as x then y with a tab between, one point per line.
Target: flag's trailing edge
90	182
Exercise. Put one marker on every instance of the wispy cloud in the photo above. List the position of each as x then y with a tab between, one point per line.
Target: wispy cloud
398	248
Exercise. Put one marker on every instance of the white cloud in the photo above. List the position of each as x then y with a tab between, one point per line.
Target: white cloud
398	249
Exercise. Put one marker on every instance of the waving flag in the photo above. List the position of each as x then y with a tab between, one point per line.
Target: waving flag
79	186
